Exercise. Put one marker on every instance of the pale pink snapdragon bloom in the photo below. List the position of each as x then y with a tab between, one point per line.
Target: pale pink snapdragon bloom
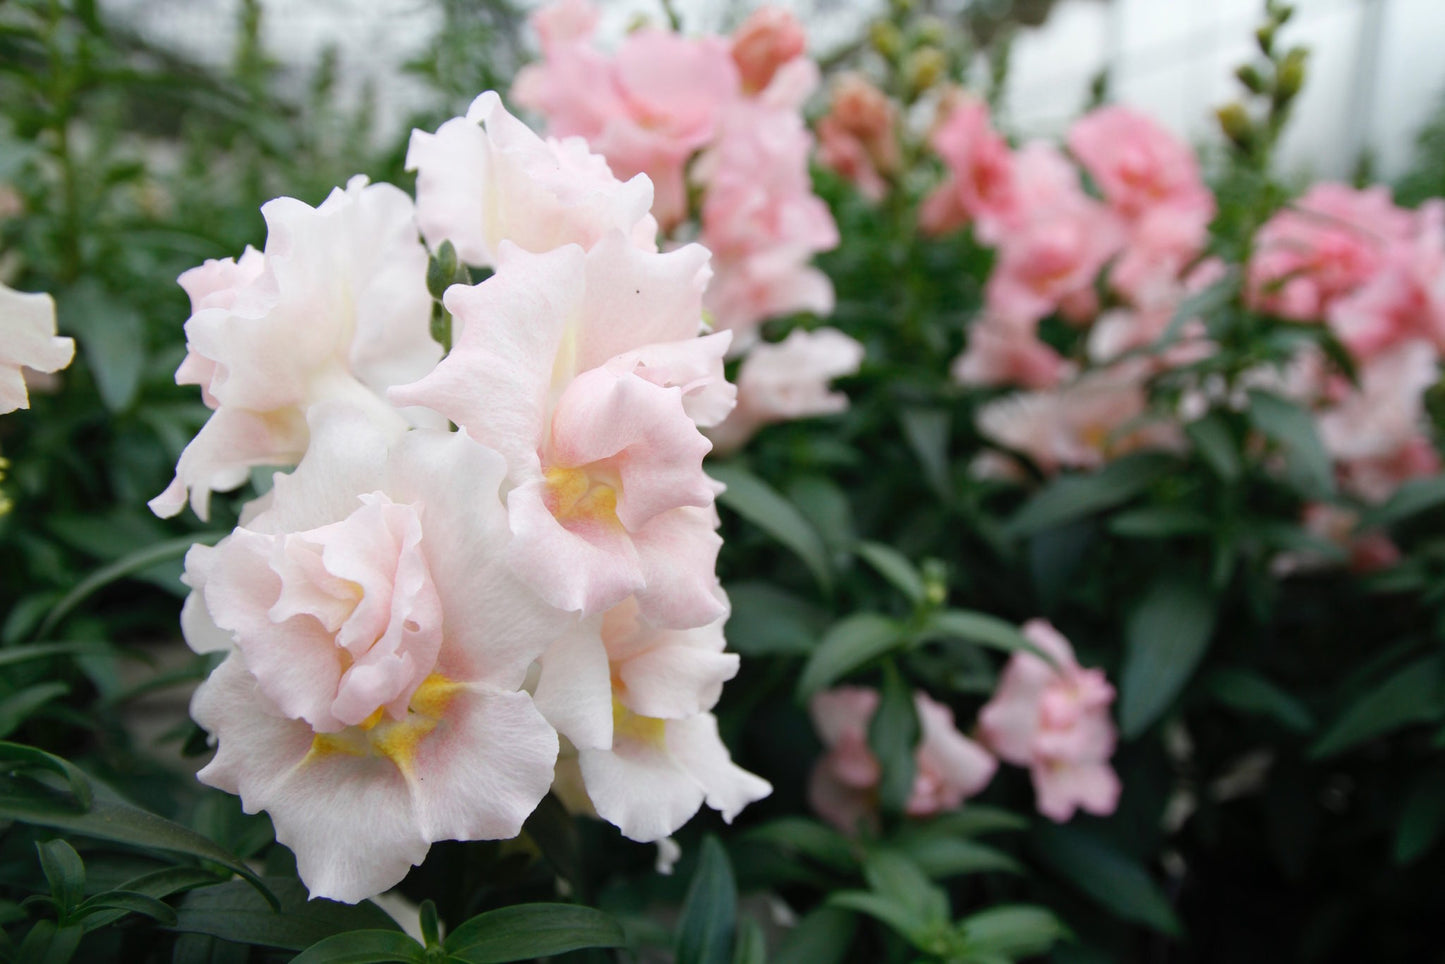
647	108
487	177
857	138
1403	300
1367	551
1054	719
1322	248
982	185
585	370
788	380
843	787
27	340
377	644
1005	352
768	39
335	308
1057	248
1139	166
635	708
1082	424
1378	434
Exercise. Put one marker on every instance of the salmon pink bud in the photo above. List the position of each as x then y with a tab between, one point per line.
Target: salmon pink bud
769	38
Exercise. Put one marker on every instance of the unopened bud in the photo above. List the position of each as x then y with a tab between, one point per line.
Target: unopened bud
1291	76
1264	36
886	38
1250	77
1234	121
931	30
925	68
441	270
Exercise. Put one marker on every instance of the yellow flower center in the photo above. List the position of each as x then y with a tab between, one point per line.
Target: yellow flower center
397	740
574	496
627	725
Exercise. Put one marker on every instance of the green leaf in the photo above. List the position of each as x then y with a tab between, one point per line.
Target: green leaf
1071	497
893	735
64	872
1161	522
525	931
157	884
1109	877
971	820
129	565
19	654
126	903
1248	692
706	927
48	943
1292	428
18	707
1410	499
15	757
942	857
1215	445
895	567
981	629
110	818
757	502
1014	930
767	621
1202	304
1422	819
363	947
849	644
807	838
1411	695
823	936
926	431
1165	637
752	944
906	920
235	911
891	873
111	334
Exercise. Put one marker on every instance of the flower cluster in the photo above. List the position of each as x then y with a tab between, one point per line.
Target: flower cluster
1049	716
418	619
716	117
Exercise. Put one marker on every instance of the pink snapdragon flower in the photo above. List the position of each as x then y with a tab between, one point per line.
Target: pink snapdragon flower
857	137
1054	719
788	380
1081	424
27	340
1139	166
768	39
585	371
647	108
335	308
1003	352
635	706
983	184
1405	299
843	788
1322	248
1378	434
377	647
487	177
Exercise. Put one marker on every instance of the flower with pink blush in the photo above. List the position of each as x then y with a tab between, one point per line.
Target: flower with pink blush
843	787
769	38
858	137
646	109
983	184
1007	353
749	290
1367	551
378	646
635	704
579	367
1055	255
1082	424
1377	434
336	308
1054	719
1321	248
1405	299
1160	246
485	178
1139	165
27	340
788	380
